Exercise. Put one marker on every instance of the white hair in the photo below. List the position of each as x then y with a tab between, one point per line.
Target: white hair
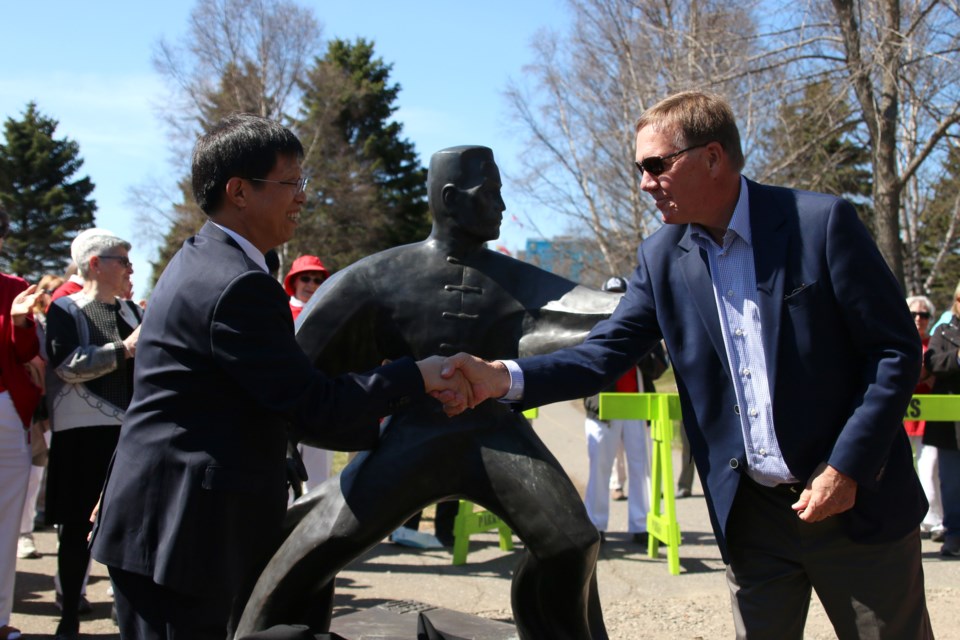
93	242
925	301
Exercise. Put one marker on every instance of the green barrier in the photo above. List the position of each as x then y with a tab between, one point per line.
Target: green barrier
661	409
933	407
469	521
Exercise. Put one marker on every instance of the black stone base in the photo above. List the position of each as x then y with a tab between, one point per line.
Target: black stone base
401	620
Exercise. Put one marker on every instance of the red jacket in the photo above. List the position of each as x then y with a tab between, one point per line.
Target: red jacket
17	347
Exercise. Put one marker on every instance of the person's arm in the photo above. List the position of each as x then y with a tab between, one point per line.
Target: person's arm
251	336
73	362
23	333
890	351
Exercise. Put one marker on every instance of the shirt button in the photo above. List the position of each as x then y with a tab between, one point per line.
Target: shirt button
754	413
746	373
738	332
763	452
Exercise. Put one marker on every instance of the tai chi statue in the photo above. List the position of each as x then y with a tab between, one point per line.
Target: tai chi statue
441	296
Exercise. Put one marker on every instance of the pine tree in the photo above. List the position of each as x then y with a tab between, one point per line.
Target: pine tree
47	206
368	188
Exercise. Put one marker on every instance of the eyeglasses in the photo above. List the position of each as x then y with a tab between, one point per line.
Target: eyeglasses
314	279
123	260
300	184
654	165
923	315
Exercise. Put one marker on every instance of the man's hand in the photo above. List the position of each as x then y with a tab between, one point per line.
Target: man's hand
828	493
22	305
487	379
453	391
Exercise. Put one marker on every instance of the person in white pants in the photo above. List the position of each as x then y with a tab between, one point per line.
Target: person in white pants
19	396
605	437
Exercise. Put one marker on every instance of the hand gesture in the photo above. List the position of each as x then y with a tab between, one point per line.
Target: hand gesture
130	342
828	493
487	379
453	391
22	305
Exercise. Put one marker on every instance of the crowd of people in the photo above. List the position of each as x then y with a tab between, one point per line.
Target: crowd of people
173	427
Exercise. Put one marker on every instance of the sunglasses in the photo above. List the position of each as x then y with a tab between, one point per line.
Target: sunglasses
313	279
123	260
923	315
654	165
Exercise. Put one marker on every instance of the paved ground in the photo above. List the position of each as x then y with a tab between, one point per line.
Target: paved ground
640	598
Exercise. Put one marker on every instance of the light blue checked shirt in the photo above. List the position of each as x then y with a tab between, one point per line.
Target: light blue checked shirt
735	290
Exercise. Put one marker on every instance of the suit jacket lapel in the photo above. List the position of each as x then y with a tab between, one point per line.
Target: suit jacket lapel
770	245
696	273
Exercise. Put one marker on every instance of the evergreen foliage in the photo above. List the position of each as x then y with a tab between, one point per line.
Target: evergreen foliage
367	190
47	205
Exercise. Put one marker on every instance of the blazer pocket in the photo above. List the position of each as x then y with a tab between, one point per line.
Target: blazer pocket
220	478
801	294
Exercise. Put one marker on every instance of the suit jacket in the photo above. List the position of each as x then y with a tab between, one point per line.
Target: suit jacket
196	491
842	355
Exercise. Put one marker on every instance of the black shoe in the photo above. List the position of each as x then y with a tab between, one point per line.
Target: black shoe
641	538
684	493
67	630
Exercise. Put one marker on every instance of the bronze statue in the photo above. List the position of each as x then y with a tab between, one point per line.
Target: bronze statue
441	296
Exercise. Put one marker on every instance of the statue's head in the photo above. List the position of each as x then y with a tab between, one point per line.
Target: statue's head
463	186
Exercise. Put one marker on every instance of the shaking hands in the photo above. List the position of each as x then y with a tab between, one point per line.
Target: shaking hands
463	381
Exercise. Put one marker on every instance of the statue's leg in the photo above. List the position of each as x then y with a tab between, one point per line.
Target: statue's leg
554	587
348	515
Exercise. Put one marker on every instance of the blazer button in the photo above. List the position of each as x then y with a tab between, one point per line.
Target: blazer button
736	409
734	463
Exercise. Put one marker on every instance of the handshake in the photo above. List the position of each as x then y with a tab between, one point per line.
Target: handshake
463	381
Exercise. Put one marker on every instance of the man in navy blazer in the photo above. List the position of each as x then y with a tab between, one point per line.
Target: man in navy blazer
795	358
196	493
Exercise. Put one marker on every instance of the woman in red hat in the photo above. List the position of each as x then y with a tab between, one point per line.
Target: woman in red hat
304	277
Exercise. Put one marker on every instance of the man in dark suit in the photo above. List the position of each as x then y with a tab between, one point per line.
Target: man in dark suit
196	493
795	358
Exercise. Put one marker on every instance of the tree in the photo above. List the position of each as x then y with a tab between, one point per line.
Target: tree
815	132
46	204
368	190
237	56
588	87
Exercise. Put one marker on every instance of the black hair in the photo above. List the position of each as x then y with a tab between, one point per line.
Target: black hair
241	145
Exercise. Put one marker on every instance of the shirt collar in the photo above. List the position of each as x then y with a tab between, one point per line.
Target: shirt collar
739	222
252	252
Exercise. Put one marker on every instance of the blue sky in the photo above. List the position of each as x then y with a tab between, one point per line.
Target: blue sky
88	65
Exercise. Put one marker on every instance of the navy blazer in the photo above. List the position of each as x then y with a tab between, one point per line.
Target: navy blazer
843	355
196	492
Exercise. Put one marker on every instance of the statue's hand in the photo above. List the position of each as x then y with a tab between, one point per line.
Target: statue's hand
453	391
487	379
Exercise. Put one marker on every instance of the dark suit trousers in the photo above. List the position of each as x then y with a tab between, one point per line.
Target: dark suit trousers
149	611
776	559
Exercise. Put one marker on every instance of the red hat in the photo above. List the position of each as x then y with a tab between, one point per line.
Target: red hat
301	265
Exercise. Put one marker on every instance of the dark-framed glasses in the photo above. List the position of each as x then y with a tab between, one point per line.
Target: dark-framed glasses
923	315
123	260
300	185
655	165
314	279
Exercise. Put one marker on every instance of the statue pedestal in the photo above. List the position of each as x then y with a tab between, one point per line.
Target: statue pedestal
398	621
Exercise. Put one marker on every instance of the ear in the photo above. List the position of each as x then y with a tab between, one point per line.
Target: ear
448	195
715	155
235	192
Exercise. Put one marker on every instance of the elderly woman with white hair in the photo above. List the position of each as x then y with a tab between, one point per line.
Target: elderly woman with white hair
91	341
